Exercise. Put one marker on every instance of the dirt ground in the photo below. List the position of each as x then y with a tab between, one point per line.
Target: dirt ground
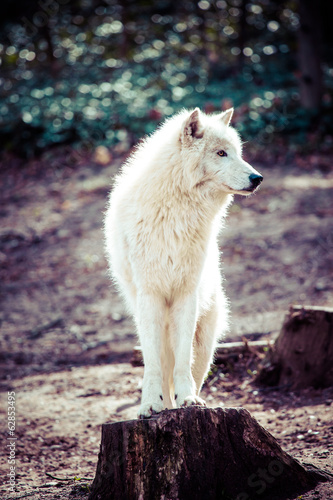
66	341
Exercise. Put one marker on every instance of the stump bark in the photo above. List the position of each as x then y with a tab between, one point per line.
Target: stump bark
199	454
302	355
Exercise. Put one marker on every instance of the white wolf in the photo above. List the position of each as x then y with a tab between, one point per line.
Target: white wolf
161	231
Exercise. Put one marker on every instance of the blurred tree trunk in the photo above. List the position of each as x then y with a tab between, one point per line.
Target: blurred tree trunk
124	46
242	35
309	54
46	34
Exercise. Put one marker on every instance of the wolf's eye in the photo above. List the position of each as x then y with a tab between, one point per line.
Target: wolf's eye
222	153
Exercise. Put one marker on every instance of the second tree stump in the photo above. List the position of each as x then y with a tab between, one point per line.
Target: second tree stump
303	352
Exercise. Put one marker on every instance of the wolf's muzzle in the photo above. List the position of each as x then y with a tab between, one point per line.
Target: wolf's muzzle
255	180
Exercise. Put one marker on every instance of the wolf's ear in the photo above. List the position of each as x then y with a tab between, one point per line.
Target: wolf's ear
227	115
192	127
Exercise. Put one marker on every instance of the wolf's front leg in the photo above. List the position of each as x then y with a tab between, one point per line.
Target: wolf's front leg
184	317
150	324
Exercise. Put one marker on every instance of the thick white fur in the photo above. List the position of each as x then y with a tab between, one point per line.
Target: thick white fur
161	231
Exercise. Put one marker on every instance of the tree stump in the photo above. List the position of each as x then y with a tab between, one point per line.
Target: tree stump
196	453
302	355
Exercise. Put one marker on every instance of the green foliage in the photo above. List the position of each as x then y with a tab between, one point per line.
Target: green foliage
103	73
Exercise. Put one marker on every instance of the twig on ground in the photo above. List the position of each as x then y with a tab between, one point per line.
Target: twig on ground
39	330
75	478
58	478
23	496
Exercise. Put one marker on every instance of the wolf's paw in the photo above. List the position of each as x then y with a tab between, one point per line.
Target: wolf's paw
149	409
192	401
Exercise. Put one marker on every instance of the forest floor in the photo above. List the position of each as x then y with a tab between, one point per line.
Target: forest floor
66	341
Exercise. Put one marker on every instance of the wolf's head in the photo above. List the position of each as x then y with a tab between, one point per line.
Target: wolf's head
217	148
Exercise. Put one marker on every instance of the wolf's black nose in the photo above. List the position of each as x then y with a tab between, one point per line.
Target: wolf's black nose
255	180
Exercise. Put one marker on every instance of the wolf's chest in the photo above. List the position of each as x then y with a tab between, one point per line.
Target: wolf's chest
170	253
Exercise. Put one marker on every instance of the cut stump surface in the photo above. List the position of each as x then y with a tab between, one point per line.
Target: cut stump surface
197	453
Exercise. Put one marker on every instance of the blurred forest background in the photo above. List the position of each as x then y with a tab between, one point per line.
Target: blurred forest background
91	72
